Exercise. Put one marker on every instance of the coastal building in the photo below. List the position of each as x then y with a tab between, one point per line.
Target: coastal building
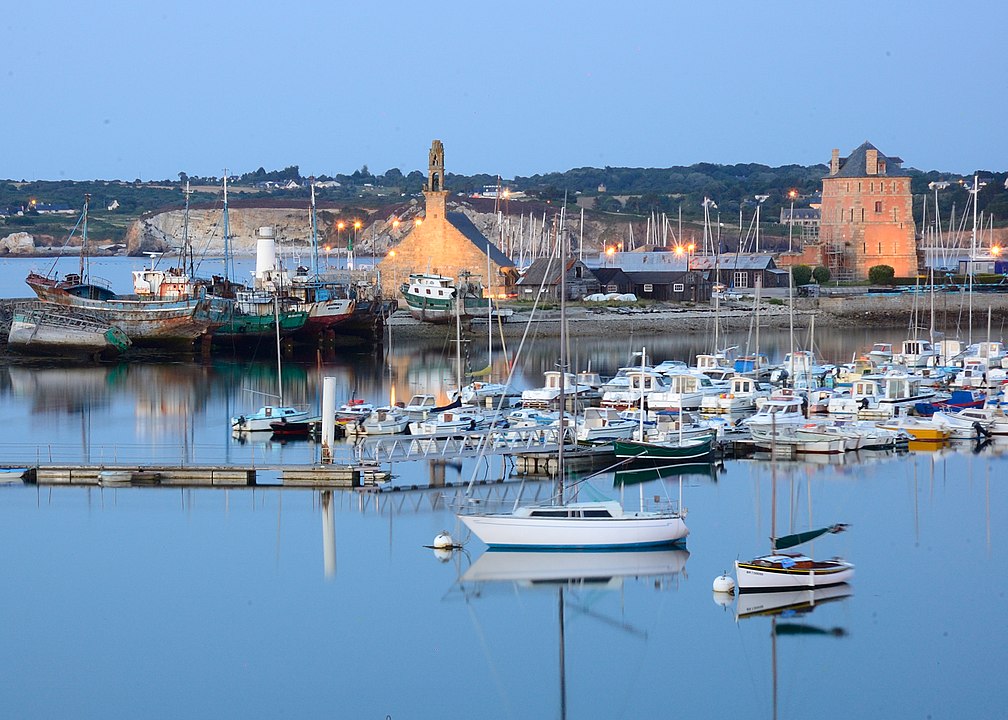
448	243
544	273
803	222
866	217
742	271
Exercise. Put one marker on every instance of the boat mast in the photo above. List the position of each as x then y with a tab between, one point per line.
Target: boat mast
563	359
276	315
83	247
314	233
187	259
227	234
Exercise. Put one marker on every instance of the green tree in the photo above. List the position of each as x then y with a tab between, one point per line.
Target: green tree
881	275
821	274
802	274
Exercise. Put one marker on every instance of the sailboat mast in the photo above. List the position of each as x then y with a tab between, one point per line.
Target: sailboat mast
187	260
83	247
489	317
314	234
276	317
563	360
227	233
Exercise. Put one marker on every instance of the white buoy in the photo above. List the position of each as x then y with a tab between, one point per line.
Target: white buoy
442	554
444	541
724	584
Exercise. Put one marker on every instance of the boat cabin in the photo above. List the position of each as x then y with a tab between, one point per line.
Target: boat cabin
917	353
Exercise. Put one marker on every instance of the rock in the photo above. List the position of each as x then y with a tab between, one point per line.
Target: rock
19	243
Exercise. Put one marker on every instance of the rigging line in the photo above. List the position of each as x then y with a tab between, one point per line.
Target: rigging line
518	353
65	243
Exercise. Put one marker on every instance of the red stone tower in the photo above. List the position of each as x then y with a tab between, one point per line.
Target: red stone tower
867	215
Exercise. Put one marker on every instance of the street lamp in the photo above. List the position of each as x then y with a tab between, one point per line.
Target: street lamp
760	199
792	194
339	234
353	244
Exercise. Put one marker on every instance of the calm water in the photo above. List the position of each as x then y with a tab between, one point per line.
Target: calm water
285	603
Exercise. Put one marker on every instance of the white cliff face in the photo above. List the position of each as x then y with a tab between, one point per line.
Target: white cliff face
206	230
292	228
19	243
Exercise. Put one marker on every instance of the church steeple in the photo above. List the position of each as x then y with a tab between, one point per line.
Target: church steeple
435	168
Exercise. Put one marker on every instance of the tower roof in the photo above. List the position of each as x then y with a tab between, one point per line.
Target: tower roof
854	164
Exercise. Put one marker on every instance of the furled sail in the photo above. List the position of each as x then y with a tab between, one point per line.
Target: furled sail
789	541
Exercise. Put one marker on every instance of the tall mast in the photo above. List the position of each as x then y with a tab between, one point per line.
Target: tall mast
83	247
227	234
314	233
187	264
563	357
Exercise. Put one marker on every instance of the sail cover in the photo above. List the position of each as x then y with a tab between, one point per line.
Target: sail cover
789	541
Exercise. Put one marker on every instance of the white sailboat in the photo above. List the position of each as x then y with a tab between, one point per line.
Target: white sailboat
574	525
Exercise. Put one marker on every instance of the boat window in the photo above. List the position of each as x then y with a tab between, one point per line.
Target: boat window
597	513
548	513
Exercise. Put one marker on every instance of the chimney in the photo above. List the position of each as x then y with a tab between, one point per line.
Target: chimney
834	163
871	162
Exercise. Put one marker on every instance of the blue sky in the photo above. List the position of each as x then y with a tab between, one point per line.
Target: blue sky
144	89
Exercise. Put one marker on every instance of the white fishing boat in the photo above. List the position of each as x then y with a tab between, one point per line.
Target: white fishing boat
260	420
686	391
420	406
354	411
448	422
808	438
381	421
548	395
971	422
601	424
639	381
783	408
742	396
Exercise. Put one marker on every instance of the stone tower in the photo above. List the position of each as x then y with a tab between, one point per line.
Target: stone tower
435	168
435	191
866	215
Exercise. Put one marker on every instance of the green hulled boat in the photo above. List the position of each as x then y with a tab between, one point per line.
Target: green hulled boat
688	451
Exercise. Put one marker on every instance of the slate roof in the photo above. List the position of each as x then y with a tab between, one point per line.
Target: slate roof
461	222
853	166
538	269
731	261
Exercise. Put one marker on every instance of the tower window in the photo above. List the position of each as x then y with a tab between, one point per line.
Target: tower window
878	206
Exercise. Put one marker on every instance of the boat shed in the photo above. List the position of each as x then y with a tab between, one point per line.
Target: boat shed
545	273
740	271
662	285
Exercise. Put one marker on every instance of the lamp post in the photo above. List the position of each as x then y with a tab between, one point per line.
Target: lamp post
339	236
353	244
395	281
792	194
760	199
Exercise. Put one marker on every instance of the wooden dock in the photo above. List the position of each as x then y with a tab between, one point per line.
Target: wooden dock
192	476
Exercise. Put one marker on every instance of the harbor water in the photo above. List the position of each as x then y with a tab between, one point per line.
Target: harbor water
266	602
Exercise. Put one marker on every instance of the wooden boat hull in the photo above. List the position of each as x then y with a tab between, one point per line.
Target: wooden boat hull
751	577
147	323
45	329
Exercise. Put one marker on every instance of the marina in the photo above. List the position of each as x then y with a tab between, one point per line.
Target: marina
348	371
